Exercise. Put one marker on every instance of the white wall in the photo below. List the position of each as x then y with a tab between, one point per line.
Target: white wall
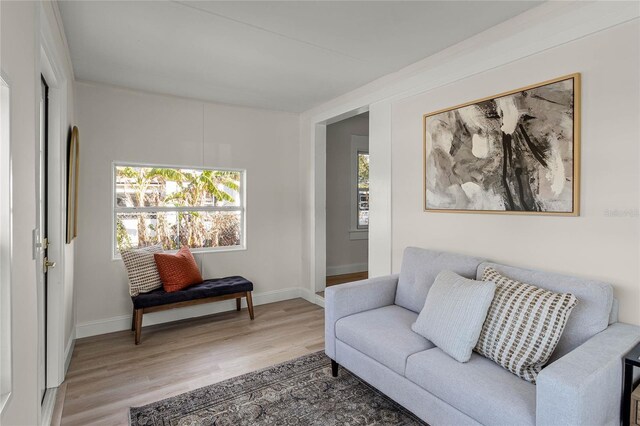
124	125
477	67
343	254
596	244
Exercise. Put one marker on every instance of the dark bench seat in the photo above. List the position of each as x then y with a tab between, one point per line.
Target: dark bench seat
213	290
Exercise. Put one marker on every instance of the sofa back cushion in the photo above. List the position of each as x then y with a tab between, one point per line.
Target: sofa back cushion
420	267
613	316
589	317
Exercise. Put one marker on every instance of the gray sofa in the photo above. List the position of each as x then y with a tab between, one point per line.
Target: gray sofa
368	332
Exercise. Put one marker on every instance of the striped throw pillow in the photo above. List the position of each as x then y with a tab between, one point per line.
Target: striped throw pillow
523	326
141	269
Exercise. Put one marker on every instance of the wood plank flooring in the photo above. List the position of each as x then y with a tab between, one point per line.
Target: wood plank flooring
345	278
108	373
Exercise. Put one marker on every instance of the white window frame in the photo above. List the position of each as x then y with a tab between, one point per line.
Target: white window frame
359	144
242	208
6	339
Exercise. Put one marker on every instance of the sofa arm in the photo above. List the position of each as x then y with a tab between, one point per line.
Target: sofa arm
584	386
348	299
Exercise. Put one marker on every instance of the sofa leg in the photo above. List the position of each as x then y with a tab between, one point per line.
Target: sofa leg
138	329
249	303
334	368
238	301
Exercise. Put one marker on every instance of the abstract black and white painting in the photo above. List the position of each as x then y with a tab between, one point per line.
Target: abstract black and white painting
517	152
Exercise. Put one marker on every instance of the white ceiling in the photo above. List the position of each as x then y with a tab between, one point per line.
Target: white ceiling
281	55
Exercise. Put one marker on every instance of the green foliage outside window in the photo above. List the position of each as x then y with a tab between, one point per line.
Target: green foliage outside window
363	171
178	195
363	189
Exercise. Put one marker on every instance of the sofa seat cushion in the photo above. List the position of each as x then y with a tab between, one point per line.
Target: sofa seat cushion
383	334
207	288
479	388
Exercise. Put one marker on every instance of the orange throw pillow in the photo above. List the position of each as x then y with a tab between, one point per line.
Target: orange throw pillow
177	271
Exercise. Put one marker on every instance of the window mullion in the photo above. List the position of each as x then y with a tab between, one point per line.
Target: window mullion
178	209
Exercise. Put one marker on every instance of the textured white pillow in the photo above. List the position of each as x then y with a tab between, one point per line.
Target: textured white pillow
141	269
454	312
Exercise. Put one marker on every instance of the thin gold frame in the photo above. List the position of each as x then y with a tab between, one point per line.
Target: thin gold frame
576	149
73	164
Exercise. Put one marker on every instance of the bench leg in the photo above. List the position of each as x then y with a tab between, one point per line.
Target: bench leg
138	324
238	301
249	303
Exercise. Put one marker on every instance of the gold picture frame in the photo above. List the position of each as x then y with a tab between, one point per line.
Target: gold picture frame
73	169
530	96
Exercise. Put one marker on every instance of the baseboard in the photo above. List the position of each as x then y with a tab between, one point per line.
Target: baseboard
346	269
68	354
48	404
123	322
308	295
312	297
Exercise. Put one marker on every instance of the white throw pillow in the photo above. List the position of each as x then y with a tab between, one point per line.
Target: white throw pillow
454	312
141	269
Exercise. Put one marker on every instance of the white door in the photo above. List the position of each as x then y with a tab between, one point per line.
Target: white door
41	241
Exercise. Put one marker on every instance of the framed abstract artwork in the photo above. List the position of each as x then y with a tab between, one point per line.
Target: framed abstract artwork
513	153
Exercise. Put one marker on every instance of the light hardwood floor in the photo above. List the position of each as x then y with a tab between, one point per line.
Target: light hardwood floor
108	373
345	278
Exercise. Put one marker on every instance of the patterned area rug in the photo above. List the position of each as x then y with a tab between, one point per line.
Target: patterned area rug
298	392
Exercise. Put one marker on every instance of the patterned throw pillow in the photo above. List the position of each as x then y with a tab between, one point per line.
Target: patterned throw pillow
523	326
141	269
177	271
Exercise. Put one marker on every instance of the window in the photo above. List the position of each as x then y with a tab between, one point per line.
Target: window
363	189
359	188
200	208
5	247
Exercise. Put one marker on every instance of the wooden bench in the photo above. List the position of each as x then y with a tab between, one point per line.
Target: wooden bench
208	291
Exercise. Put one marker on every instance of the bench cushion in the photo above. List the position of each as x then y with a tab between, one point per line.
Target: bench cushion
207	288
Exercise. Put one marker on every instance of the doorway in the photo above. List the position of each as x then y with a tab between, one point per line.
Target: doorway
347	200
41	234
54	290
